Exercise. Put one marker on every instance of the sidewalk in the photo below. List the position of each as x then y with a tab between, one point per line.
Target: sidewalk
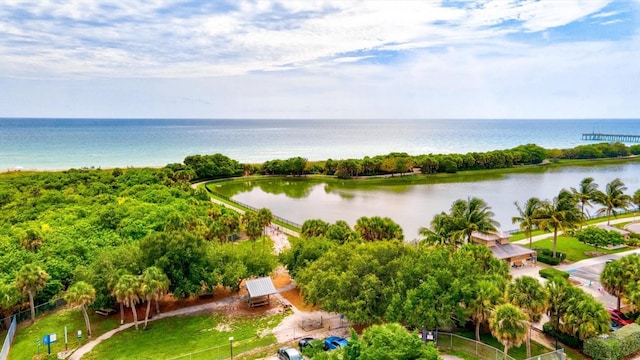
550	235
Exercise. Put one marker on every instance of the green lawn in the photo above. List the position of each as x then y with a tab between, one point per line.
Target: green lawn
25	342
574	249
177	336
520	235
518	353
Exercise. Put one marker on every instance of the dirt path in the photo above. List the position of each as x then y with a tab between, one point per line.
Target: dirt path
299	324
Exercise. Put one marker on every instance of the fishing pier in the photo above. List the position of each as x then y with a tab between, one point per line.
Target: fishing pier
610	137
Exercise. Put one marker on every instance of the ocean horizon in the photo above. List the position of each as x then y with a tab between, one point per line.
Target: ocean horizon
63	143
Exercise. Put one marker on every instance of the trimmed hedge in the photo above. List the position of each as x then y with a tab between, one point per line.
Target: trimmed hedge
549	273
602	349
546	256
620	343
568	340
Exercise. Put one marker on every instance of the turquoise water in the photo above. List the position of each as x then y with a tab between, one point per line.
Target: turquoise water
66	143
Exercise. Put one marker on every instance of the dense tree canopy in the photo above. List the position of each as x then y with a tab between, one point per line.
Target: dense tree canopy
390	341
94	225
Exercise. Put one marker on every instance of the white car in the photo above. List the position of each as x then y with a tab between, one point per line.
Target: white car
289	353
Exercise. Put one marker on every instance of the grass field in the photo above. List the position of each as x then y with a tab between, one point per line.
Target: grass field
574	249
25	345
206	335
518	352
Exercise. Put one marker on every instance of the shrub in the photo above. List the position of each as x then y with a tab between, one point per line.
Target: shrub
629	337
566	339
602	349
549	273
634	240
621	343
546	256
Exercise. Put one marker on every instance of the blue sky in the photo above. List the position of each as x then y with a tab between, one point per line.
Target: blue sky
320	59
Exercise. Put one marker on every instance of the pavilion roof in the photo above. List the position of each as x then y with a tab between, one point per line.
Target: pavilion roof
504	251
260	287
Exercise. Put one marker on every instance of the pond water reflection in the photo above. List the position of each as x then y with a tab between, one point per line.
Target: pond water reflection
413	206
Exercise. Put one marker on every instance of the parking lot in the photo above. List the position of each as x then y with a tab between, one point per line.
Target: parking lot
587	272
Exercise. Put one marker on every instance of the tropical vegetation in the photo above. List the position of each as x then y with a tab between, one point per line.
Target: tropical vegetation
130	236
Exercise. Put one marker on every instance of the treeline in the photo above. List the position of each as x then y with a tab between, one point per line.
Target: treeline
220	166
98	227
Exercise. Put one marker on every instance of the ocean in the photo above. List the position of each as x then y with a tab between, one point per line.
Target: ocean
48	144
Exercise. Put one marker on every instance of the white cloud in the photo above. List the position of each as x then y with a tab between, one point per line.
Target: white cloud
319	58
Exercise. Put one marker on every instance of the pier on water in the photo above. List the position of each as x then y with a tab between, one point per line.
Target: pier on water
610	137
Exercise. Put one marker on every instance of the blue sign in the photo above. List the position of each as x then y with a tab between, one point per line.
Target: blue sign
49	339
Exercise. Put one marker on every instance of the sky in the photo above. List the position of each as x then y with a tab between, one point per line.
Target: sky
320	59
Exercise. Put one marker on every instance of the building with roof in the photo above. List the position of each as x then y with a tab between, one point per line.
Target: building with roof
502	249
259	290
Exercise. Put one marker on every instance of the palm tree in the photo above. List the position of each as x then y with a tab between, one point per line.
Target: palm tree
561	213
32	240
486	296
613	279
10	299
112	281
29	280
154	285
586	317
526	217
509	325
438	233
81	294
314	228
585	193
528	294
631	266
613	198
472	215
127	293
265	217
252	226
636	199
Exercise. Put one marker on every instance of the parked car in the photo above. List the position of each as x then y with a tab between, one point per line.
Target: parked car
335	342
619	317
304	342
289	353
614	326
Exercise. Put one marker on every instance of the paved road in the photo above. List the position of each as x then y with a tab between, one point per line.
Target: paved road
586	271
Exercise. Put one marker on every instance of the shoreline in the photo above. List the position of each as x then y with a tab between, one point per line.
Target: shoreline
35	170
544	164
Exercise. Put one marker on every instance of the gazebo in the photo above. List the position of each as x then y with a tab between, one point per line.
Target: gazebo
259	291
502	249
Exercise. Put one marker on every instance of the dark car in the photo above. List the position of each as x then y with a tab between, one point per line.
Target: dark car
335	342
289	353
305	341
619	317
614	326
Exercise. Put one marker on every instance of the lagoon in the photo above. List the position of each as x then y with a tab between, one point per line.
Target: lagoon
414	205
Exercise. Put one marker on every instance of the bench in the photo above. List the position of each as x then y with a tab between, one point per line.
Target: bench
258	302
105	311
518	264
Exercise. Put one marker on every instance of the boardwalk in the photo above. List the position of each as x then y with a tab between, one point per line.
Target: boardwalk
610	137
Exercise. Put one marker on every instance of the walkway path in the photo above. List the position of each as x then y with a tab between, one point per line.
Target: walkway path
240	211
550	235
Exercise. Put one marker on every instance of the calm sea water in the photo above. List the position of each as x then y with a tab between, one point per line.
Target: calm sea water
67	143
